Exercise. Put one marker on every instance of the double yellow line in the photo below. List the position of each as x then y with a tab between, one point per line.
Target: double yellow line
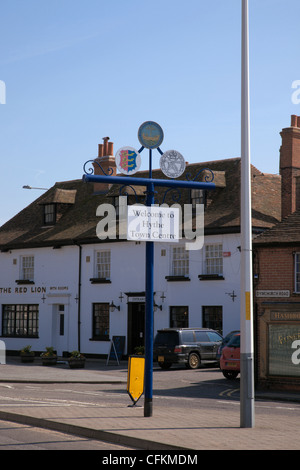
228	392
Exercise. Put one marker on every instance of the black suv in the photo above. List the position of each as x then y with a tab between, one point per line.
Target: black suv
187	346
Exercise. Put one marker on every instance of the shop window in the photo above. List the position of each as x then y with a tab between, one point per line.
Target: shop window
283	346
179	317
20	320
100	322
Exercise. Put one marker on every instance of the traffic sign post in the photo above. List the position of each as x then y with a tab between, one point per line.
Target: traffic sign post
150	136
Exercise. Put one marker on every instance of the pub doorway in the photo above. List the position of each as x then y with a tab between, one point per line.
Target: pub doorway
136	326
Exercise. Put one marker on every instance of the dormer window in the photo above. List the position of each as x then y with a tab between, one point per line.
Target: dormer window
55	204
49	214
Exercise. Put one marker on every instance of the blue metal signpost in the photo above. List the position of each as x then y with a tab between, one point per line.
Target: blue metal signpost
149	140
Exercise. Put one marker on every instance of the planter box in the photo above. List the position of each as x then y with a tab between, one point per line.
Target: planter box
76	363
49	361
27	357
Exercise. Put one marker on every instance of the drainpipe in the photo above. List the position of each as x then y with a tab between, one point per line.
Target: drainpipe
79	294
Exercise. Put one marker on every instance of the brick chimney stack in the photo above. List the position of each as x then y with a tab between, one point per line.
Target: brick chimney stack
107	161
290	167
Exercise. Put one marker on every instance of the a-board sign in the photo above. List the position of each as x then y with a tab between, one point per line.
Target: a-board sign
116	348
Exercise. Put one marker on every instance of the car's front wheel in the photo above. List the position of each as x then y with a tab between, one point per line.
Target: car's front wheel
194	361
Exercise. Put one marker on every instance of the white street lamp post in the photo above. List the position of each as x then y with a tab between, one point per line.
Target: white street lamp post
247	354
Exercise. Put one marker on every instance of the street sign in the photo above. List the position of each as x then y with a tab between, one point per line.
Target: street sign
128	160
135	379
172	164
150	135
156	224
272	293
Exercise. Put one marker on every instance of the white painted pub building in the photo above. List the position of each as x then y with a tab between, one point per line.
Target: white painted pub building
62	286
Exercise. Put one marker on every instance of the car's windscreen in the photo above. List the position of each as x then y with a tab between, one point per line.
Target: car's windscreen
169	338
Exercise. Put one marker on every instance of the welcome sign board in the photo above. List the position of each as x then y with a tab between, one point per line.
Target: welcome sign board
157	224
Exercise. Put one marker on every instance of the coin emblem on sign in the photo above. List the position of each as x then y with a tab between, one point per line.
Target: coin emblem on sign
172	164
150	135
128	160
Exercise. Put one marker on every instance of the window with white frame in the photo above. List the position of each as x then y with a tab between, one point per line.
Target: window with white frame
27	268
214	259
102	264
297	272
180	261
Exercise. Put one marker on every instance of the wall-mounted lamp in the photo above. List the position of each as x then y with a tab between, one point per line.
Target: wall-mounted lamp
155	307
113	307
232	295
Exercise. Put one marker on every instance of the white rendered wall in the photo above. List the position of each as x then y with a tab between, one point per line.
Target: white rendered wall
56	283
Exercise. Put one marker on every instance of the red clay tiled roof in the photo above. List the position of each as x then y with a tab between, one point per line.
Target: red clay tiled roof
77	206
285	232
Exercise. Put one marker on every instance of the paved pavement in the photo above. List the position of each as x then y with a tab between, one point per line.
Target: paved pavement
170	428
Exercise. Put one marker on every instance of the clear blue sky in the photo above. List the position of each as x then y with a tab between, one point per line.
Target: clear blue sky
78	70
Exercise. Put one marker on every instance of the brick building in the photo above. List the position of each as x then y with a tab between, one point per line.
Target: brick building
277	278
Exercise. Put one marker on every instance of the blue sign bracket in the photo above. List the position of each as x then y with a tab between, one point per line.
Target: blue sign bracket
130	180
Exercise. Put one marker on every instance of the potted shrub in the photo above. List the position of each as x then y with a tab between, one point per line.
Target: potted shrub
26	354
49	357
140	350
76	360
